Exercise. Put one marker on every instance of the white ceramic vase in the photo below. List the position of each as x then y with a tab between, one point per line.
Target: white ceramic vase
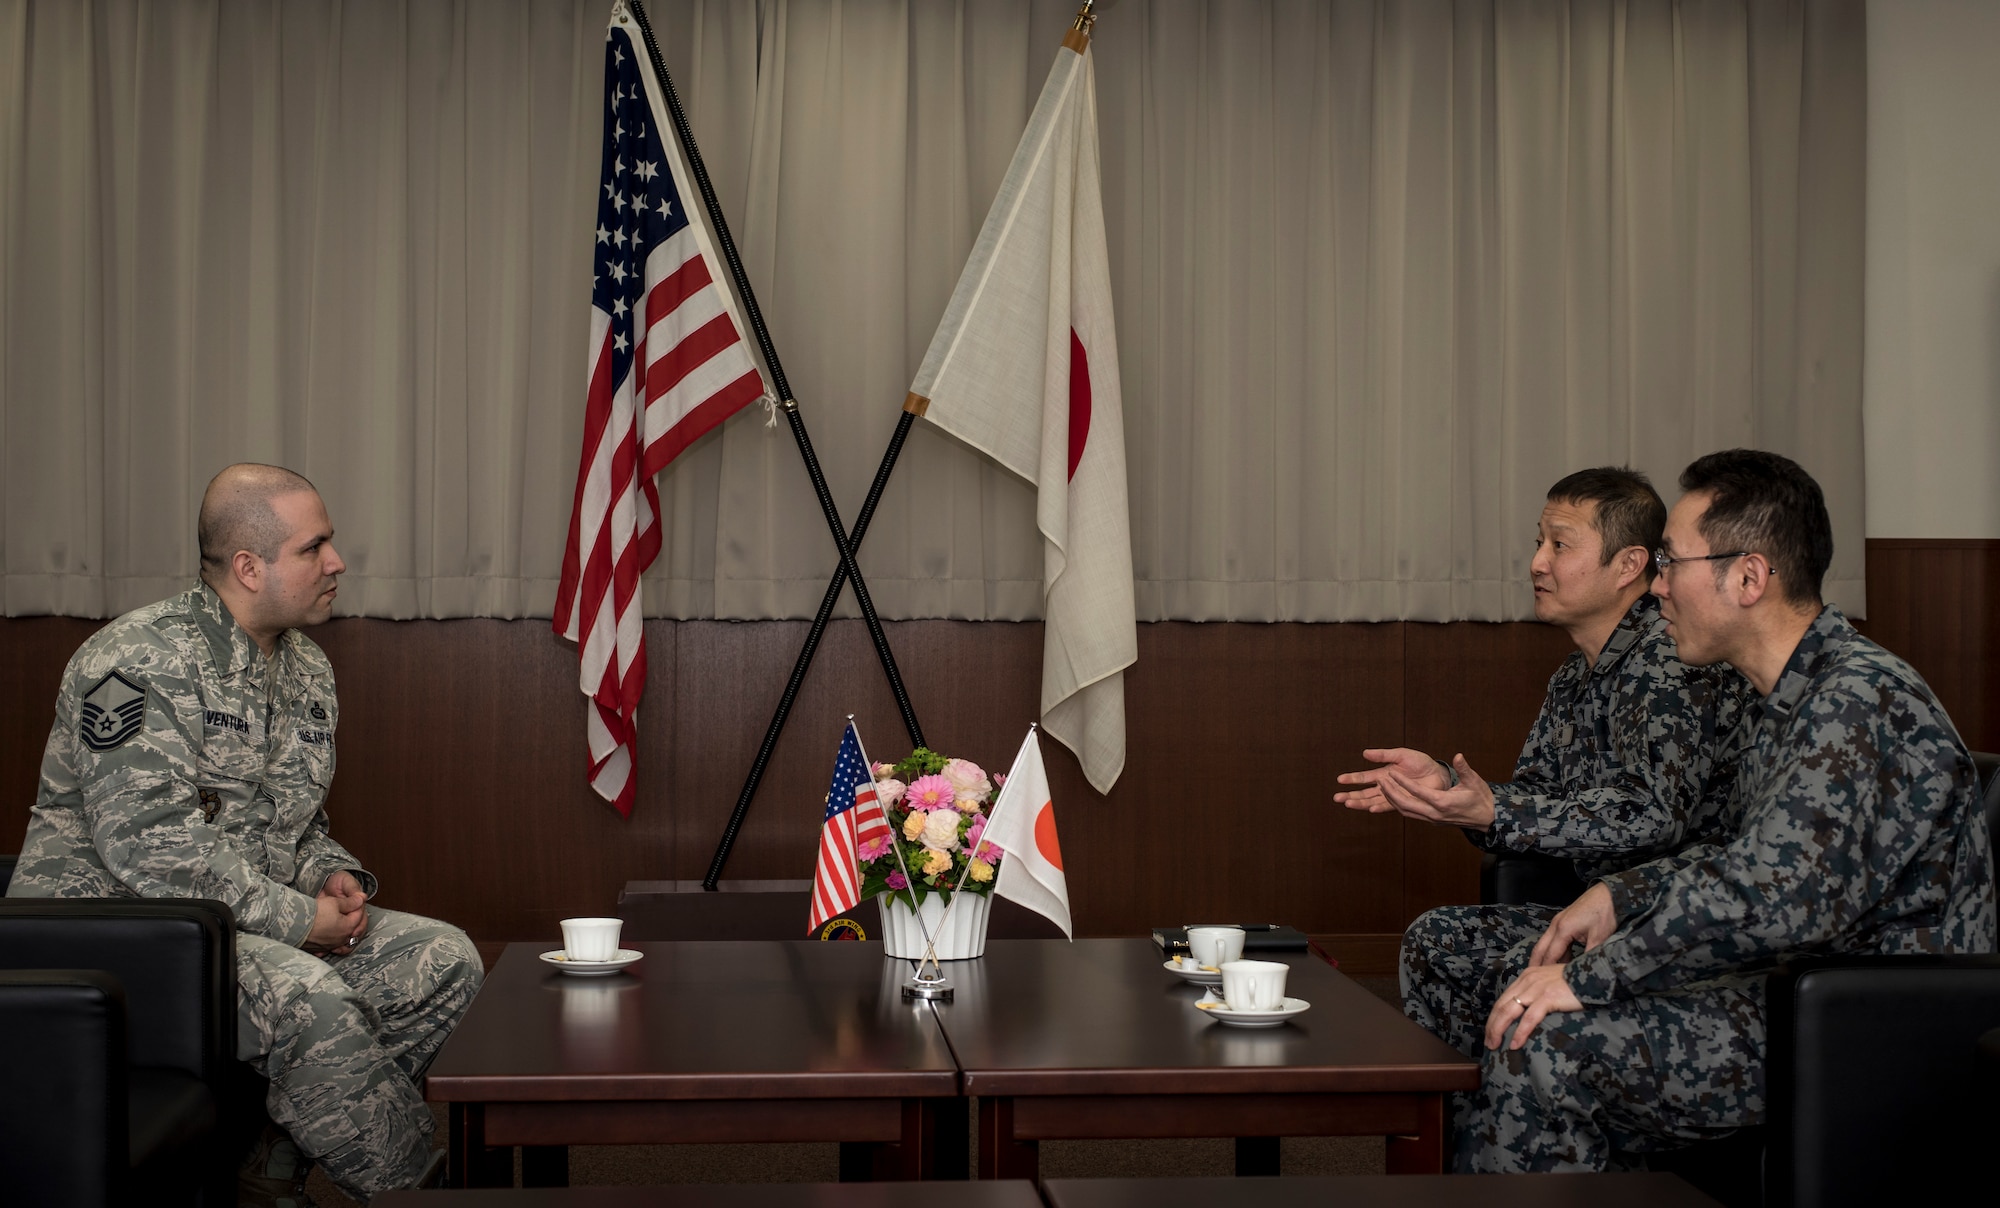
963	936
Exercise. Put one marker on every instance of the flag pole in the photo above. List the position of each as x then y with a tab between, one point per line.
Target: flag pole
894	837
930	953
849	569
914	405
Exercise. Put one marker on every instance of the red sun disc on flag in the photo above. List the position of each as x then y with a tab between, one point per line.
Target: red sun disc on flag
1045	835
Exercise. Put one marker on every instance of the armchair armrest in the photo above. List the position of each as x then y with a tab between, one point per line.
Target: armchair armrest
175	959
1873	1078
63	1096
1528	879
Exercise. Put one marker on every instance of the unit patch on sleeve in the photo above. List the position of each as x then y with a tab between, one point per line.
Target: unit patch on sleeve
112	711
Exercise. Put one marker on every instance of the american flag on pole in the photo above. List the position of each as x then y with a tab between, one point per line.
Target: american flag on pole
853	817
655	387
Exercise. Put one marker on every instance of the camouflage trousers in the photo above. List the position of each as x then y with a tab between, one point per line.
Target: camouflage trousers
1590	1087
345	1039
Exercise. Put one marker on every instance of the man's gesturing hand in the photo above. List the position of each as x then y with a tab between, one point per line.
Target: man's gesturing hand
1469	803
340	917
1589	921
1538	992
1412	766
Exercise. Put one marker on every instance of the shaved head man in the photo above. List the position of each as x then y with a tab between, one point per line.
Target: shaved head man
267	550
191	757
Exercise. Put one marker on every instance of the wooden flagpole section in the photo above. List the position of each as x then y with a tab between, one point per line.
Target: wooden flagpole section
849	569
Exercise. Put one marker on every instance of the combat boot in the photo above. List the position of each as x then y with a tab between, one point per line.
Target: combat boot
274	1175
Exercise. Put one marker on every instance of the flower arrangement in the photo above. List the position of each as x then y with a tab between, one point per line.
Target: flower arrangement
937	811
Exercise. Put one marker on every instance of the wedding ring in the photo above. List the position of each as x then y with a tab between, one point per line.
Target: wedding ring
1520	1004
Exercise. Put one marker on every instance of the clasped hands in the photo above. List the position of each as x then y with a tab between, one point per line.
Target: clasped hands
340	917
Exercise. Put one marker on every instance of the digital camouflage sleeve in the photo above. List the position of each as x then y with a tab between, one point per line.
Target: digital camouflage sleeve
1861	833
1629	759
183	763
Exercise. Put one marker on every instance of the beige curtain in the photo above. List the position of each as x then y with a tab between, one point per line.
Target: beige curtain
1383	272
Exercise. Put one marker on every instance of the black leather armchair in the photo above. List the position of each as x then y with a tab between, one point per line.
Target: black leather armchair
1875	1080
1528	879
120	1020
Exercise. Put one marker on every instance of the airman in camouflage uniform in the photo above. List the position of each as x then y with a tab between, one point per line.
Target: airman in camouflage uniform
1641	763
188	761
1858	832
1628	759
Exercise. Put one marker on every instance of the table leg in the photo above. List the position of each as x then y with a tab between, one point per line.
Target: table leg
1423	1153
947	1148
545	1166
857	1161
1256	1156
933	1145
472	1162
455	1172
1001	1156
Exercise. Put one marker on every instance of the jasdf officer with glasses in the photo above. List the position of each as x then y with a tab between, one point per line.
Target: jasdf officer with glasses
1858	832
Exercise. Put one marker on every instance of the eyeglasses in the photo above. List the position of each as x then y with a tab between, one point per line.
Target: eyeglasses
1662	560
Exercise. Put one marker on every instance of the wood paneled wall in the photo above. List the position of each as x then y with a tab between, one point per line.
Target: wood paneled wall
461	749
1937	603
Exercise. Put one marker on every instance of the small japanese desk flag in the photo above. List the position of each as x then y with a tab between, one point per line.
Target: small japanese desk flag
1023	824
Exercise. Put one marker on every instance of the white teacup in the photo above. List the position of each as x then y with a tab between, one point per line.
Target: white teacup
591	939
1254	985
1213	945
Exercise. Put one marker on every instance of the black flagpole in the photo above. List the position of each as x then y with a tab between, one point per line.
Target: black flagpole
849	569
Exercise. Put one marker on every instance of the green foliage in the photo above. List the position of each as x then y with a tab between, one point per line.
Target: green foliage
921	762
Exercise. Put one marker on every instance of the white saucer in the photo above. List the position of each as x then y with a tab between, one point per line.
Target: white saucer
1194	973
626	956
1256	1019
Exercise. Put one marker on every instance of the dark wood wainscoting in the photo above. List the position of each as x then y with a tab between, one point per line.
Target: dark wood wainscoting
461	750
1937	603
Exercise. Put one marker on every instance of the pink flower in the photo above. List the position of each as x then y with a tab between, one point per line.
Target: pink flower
1000	778
882	769
889	791
980	851
929	793
967	779
874	849
896	880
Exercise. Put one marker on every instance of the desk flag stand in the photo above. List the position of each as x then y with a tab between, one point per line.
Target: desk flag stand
933	985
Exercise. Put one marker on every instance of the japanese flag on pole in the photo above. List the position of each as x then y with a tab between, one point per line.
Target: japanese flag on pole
1023	824
1024	368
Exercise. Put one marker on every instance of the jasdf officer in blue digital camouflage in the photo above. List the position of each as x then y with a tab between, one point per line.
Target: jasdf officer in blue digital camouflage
193	747
1858	831
1629	759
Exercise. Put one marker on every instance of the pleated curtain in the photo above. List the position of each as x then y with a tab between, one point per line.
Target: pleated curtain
1383	272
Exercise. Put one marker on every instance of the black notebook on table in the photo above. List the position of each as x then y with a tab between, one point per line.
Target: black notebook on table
1257	937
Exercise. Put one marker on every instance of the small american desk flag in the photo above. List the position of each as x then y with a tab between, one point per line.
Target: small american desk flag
853	817
655	386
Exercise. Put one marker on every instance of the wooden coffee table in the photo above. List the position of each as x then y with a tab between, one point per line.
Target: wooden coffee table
1095	1040
732	1195
1382	1191
700	1042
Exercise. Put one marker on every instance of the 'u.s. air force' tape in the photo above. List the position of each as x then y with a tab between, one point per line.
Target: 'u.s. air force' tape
112	711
